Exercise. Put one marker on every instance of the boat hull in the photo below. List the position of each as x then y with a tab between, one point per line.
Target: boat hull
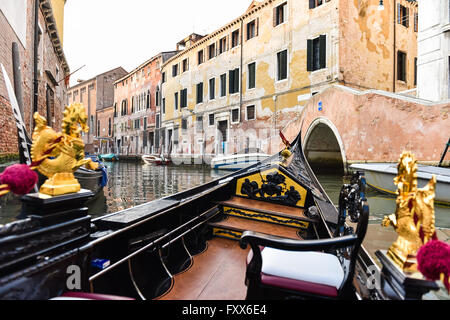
237	162
155	160
381	177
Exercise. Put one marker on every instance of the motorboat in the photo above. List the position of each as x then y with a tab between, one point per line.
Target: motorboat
380	176
239	160
109	157
156	160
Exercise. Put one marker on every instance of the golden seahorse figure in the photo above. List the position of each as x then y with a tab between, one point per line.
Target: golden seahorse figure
414	219
59	155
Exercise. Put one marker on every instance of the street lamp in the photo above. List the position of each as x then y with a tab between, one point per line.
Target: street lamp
381	6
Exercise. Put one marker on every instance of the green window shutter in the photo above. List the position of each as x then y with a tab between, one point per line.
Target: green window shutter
236	80
309	58
323	51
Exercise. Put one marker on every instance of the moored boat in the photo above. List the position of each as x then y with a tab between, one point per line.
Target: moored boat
238	161
156	160
109	157
380	176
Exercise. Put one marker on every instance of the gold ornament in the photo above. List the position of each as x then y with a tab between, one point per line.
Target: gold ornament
59	155
414	214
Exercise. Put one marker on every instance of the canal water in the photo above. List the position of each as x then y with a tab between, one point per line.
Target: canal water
131	184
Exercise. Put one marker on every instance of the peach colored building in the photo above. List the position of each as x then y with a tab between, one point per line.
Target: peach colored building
137	98
105	126
95	94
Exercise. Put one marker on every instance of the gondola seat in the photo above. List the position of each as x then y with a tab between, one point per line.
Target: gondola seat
310	272
281	268
89	296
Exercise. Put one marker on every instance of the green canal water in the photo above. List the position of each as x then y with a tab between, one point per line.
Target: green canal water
131	184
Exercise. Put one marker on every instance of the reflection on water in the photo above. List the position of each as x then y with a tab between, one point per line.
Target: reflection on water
132	184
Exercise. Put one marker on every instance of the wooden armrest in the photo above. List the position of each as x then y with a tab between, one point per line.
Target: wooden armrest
256	239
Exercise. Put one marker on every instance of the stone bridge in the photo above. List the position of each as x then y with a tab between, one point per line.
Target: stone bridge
341	126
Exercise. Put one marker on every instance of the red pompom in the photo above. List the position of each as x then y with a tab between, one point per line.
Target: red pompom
433	260
19	178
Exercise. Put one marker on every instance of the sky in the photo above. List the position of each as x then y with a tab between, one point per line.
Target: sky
104	34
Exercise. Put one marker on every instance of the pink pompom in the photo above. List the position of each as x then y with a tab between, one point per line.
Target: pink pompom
19	178
433	260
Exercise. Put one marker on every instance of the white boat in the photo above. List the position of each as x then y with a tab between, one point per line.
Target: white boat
380	176
151	159
238	161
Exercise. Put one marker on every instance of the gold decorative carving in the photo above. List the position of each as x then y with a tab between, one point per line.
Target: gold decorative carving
414	219
59	155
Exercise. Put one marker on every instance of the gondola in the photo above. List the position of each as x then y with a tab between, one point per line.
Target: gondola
212	242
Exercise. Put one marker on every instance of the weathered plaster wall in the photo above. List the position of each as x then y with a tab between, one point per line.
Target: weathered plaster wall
276	102
138	88
366	44
433	81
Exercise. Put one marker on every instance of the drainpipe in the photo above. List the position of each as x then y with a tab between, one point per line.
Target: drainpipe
242	64
35	62
394	45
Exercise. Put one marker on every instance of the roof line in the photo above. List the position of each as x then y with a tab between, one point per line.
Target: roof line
217	31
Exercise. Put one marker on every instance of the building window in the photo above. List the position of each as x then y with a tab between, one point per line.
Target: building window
115	110
211	119
148	99
157	96
176	100
109	127
282	65
235	115
401	66
234	81
317	53
280	14
164	105
222	45
98	128
315	3
415	71
185	65
200	57
200	92
212	89
175	70
211	51
252	75
199	124
183	98
251	113
163	77
223	85
402	15
184	124
251	29
235	39
145	123
416	22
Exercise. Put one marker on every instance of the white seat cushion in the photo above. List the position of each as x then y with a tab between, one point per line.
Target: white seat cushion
314	267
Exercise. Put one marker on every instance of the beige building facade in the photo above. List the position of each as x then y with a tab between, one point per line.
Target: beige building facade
240	85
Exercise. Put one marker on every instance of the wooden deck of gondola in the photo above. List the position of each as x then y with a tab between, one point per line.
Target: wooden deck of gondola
216	274
239	225
265	207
